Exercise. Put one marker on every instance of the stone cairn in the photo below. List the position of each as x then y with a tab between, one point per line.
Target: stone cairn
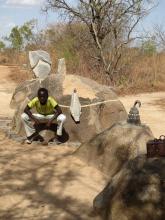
100	106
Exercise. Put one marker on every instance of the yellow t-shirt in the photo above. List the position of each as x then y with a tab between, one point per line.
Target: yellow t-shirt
46	109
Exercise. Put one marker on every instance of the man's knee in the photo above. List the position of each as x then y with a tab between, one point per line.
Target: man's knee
61	118
24	117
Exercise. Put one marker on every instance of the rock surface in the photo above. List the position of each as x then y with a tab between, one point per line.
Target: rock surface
111	149
137	191
94	118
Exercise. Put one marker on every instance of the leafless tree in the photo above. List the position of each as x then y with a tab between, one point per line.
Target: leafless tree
159	36
110	23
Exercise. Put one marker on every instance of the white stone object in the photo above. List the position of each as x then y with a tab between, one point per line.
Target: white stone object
44	56
35	56
42	70
75	106
40	63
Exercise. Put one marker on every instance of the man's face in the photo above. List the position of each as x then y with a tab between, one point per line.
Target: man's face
42	98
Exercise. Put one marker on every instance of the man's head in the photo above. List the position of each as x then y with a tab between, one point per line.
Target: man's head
43	95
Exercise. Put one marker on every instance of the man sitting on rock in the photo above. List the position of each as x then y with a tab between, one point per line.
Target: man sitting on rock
47	111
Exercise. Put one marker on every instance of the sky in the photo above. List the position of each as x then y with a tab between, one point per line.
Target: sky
155	17
17	12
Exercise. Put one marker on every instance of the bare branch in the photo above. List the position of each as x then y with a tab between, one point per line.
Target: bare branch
110	23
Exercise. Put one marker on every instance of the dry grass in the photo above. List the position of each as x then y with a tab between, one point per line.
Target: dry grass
141	73
19	74
144	74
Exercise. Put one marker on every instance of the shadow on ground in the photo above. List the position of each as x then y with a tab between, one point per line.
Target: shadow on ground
39	182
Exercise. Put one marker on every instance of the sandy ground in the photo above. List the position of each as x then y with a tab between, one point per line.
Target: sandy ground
7	87
39	182
152	111
42	182
48	182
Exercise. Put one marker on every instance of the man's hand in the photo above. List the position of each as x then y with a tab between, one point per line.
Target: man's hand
28	112
48	124
36	121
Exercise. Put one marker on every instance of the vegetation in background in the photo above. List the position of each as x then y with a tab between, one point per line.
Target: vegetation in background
109	23
2	46
20	37
139	68
149	47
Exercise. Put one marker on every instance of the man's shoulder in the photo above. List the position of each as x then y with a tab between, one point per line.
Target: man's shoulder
33	102
35	99
51	98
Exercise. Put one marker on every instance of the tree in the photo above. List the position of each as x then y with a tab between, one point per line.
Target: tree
159	35
15	38
26	31
149	47
20	37
2	45
110	23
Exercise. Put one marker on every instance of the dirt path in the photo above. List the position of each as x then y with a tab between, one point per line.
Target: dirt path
7	87
151	111
41	182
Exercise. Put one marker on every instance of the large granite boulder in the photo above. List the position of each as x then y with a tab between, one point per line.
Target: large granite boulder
94	118
111	149
137	191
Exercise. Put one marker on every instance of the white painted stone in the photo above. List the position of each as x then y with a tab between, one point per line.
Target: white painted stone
33	58
43	55
40	63
42	70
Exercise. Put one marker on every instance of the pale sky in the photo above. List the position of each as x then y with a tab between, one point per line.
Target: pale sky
17	12
156	16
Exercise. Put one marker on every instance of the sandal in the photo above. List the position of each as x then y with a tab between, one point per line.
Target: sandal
54	141
28	141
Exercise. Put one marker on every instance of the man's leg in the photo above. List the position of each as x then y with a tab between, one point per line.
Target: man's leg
60	120
29	125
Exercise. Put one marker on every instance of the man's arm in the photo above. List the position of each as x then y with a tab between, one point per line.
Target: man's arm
28	112
57	112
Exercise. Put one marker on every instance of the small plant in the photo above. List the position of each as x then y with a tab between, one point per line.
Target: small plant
2	46
149	47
